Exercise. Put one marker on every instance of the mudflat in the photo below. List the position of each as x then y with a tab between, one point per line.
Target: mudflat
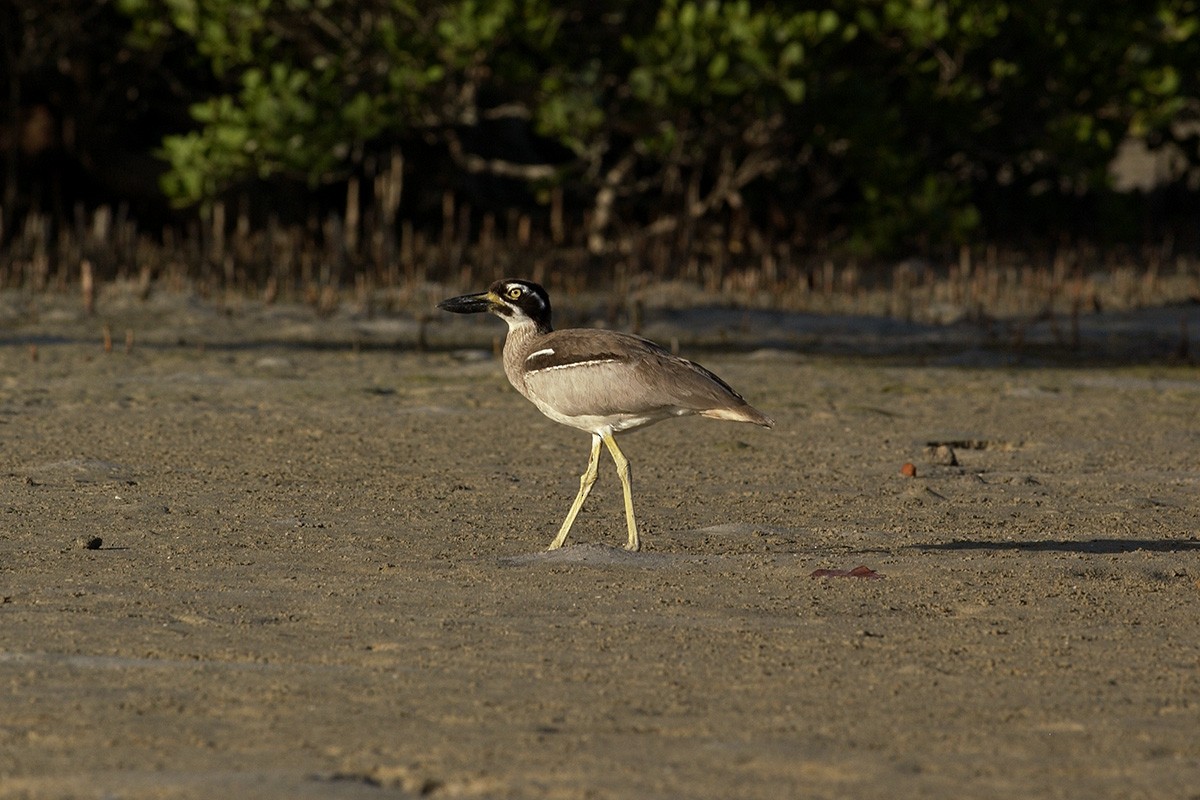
321	572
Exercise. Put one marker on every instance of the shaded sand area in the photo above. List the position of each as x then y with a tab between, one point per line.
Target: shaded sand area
321	574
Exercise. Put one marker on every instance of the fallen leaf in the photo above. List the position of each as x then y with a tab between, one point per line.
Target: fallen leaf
858	572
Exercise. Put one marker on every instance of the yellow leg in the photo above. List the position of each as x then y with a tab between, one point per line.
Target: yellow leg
623	473
585	485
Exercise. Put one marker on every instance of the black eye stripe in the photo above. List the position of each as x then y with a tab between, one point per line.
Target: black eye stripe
524	296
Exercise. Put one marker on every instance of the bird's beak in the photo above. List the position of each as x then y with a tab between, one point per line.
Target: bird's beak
471	303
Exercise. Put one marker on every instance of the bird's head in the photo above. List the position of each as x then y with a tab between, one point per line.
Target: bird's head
516	302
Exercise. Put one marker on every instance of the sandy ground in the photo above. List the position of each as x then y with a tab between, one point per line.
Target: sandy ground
322	575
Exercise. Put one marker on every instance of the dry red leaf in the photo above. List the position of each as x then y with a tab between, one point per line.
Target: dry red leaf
860	571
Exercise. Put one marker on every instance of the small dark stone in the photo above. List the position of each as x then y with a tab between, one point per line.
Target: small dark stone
89	542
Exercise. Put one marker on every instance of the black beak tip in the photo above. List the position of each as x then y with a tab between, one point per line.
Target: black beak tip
466	304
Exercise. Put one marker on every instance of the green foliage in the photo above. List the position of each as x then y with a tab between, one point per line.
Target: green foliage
700	53
308	83
894	120
932	105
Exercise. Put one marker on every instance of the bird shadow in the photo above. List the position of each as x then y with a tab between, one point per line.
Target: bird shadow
1089	546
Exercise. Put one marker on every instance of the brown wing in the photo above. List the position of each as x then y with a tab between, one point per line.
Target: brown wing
599	372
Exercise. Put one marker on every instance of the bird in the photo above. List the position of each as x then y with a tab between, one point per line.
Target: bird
599	381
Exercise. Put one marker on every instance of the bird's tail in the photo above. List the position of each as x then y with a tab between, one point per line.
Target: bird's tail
743	413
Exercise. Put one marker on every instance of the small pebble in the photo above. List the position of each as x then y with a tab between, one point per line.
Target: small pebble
274	363
908	470
89	542
942	454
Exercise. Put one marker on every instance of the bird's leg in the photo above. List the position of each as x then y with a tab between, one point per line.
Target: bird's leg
585	485
623	473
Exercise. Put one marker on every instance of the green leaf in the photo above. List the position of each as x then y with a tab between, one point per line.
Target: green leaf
718	66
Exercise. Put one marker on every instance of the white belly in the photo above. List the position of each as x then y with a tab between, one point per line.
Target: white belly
608	424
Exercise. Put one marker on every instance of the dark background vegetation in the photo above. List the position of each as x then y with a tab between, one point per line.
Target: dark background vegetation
305	142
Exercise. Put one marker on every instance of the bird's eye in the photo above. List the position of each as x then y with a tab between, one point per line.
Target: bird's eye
514	293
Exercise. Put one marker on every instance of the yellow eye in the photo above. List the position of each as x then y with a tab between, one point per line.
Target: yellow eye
514	293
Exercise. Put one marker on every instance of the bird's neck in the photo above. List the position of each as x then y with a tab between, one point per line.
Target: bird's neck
523	337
